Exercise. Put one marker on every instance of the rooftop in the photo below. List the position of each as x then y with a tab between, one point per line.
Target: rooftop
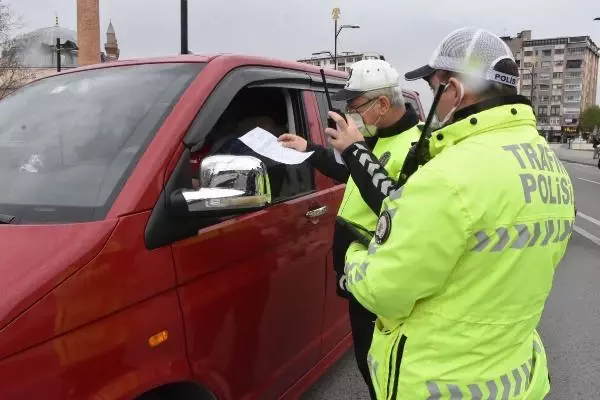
47	36
587	40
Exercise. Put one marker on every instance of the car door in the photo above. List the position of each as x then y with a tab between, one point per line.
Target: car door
252	287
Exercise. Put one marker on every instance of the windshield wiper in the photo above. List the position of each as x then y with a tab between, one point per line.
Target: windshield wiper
8	219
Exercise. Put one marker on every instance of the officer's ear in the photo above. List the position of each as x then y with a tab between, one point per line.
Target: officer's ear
453	88
384	105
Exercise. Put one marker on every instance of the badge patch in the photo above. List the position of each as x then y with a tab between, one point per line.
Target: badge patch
385	157
384	226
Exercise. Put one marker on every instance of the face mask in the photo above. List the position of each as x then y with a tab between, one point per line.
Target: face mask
365	130
450	114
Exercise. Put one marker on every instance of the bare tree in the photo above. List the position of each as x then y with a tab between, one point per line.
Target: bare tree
13	74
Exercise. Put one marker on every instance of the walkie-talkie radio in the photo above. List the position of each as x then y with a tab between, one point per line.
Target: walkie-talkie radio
330	122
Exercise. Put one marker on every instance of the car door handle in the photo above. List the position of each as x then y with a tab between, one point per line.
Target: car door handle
317	212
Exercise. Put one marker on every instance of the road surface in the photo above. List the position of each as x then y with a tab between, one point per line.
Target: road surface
570	327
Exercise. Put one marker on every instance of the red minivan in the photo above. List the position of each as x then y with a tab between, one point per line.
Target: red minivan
139	262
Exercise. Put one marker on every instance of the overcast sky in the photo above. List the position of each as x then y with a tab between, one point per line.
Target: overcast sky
406	32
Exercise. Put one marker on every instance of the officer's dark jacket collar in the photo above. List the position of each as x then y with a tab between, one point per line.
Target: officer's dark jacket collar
488	104
408	120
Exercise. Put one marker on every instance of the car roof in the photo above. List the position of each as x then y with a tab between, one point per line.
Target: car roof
229	60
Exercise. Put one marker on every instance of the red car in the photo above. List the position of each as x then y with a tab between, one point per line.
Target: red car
137	262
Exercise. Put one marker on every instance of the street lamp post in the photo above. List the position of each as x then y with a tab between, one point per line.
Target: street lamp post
336	16
58	66
184	27
337	33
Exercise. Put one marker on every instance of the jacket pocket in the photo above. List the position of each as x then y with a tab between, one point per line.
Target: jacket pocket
385	357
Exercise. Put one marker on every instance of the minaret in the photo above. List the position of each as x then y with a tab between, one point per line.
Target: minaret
88	31
111	46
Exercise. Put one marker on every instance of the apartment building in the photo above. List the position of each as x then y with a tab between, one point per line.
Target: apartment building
344	60
560	75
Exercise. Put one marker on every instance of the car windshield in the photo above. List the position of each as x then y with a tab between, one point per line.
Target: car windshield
68	143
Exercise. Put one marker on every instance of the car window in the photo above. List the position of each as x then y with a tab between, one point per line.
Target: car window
267	108
68	143
324	109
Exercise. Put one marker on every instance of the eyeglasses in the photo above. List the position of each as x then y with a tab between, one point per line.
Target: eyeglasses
351	110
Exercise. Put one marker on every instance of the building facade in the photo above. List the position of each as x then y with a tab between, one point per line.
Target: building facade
33	55
344	60
560	75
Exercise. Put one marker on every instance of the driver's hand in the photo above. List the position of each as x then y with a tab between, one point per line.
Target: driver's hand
292	141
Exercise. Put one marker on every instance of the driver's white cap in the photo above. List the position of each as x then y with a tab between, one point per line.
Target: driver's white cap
475	52
367	75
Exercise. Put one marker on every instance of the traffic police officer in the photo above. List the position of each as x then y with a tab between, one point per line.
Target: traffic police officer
464	253
375	102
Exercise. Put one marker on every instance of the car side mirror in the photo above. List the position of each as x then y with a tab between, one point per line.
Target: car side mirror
228	185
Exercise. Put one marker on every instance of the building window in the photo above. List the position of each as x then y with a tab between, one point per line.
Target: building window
574	98
544	76
543	110
547	53
576	51
526	87
559	63
557	87
544	99
557	98
544	87
571	75
537	52
559	51
527	77
528	65
572	64
555	110
573	86
546	64
528	53
557	75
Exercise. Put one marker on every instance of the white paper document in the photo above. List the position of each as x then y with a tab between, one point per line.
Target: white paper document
266	144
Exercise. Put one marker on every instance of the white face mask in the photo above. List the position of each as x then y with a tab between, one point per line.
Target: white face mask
365	130
450	114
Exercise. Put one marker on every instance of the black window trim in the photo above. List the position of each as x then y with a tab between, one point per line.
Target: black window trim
229	86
